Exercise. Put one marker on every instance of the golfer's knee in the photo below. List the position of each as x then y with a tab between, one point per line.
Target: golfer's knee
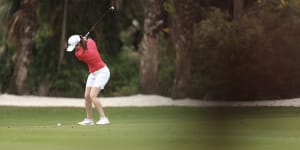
87	97
93	97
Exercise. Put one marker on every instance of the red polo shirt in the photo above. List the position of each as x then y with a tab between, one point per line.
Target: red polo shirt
91	56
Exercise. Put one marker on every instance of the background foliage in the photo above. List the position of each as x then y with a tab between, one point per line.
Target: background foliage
256	57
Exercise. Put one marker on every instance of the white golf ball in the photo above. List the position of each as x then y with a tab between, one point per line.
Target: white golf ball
58	124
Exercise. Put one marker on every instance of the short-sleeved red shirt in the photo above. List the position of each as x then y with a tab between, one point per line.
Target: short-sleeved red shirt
91	56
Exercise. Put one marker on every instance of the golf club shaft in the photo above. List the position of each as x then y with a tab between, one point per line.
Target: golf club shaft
100	19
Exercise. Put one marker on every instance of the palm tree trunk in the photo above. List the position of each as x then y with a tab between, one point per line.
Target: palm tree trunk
149	50
63	35
23	29
238	9
183	41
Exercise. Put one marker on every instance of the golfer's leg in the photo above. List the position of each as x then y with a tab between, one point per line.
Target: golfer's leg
94	96
88	103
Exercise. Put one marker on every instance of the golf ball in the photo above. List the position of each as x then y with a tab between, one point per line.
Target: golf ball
58	124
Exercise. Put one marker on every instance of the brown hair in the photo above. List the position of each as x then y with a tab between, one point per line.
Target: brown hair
83	43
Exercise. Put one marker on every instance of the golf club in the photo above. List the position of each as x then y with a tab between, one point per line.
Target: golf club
112	8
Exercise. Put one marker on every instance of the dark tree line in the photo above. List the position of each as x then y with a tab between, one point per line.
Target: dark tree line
149	44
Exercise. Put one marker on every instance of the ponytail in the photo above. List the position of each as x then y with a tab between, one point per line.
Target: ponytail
83	43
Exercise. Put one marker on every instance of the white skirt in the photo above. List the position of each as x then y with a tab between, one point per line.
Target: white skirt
98	78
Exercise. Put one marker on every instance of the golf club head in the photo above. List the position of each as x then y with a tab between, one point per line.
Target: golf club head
112	8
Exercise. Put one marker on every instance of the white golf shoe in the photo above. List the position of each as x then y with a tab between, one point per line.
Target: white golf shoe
103	121
86	122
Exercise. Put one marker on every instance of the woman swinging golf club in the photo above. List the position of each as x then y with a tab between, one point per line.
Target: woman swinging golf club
86	51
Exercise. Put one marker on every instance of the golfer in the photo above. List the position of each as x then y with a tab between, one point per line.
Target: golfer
86	51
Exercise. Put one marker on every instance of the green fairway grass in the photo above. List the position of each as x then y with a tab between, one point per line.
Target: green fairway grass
131	128
152	128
